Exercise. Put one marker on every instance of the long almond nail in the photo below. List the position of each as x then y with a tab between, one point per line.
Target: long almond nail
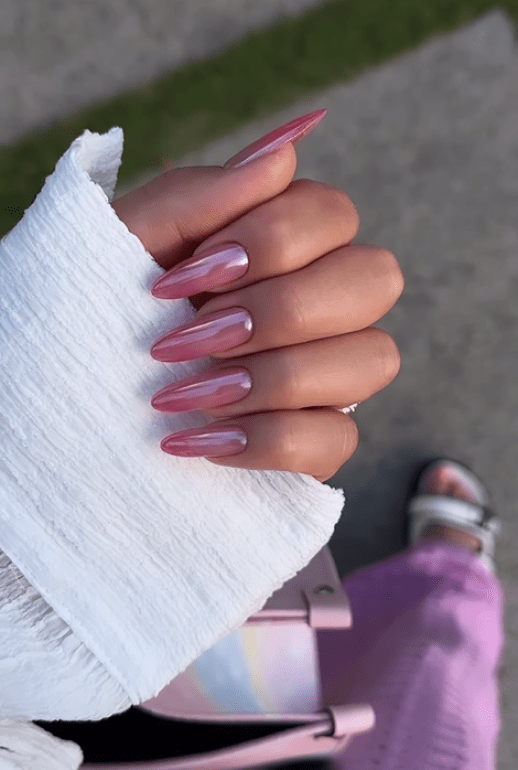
207	391
208	334
291	132
205	442
208	270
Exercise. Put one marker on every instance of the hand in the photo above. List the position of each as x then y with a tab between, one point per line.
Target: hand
288	321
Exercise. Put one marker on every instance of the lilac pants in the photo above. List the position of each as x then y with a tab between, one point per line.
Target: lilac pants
424	651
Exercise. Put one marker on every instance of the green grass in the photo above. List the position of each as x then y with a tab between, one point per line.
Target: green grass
264	72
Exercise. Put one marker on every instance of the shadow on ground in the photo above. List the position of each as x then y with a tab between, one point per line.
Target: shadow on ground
373	523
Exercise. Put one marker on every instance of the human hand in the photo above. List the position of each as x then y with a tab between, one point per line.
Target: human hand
297	344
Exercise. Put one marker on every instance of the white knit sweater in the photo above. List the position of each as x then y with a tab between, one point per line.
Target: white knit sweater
120	564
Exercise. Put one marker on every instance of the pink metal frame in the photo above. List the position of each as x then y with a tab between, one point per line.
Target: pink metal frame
314	597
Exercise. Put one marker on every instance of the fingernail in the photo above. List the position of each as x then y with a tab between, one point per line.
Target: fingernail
207	270
205	442
290	132
213	333
205	392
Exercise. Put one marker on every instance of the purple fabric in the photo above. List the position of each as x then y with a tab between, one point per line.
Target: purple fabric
424	651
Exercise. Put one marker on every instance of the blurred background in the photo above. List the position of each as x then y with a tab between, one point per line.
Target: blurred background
421	132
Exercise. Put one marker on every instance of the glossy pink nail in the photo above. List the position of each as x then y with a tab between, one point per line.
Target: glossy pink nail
212	333
204	392
205	271
205	442
291	132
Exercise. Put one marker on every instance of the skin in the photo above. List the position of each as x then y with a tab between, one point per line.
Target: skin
456	536
443	481
313	296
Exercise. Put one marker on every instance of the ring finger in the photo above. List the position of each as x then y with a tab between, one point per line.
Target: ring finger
340	370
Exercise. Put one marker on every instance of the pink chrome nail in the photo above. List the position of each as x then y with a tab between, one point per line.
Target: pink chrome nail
291	132
205	442
212	333
204	392
207	270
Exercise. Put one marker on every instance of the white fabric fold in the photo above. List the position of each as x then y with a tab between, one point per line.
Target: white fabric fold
122	564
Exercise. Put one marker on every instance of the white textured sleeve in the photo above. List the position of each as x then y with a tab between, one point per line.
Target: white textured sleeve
121	565
24	746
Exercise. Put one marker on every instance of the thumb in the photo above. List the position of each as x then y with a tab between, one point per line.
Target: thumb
178	210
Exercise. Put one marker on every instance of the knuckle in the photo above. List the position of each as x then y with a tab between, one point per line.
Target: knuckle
388	359
390	268
272	229
345	208
347	444
335	202
351	439
341	439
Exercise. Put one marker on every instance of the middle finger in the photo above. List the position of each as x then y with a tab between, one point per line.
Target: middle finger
344	291
334	372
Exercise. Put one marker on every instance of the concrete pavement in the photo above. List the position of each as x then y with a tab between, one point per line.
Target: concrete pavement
427	148
57	56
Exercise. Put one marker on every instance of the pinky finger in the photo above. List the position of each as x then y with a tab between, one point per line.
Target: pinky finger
316	442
